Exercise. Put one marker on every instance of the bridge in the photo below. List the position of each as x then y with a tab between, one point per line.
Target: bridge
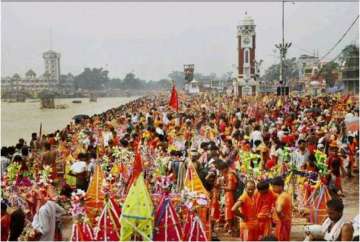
15	95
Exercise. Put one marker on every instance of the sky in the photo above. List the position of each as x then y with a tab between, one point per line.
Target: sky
152	39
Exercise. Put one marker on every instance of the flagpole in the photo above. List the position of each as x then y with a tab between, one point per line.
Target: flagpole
40	131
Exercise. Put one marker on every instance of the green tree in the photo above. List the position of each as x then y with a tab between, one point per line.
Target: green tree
273	72
92	79
328	72
116	83
132	82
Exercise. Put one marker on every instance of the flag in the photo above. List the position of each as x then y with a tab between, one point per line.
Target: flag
40	131
174	101
137	167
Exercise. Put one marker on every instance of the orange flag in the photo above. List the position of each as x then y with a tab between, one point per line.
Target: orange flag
174	101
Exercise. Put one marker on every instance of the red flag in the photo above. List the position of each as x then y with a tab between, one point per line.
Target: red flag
137	167
174	101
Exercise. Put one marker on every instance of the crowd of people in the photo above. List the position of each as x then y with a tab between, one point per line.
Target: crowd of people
259	160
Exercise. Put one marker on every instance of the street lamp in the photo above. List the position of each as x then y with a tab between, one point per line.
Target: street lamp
283	47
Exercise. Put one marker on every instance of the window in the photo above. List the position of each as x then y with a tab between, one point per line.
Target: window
246	56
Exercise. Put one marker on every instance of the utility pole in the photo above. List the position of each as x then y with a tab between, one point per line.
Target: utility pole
283	47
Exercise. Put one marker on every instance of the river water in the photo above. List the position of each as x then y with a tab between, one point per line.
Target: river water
19	120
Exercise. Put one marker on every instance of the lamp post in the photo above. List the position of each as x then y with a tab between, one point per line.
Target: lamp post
283	47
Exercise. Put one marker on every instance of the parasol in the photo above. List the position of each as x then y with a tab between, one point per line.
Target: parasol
81	116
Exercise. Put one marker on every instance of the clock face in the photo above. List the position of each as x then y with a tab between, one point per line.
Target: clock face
247	40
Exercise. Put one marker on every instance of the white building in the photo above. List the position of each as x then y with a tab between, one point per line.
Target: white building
52	65
193	87
305	65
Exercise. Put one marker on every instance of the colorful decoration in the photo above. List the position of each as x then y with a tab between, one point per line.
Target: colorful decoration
316	203
250	163
45	174
194	229
94	198
12	170
81	230
321	161
108	226
70	180
167	224
192	181
137	212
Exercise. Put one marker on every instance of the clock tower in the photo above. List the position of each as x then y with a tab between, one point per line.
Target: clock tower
245	84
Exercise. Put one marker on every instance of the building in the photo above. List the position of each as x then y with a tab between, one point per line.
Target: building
52	66
30	75
245	83
305	65
309	81
32	84
191	85
350	72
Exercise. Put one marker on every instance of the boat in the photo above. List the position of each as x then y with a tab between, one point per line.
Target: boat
76	101
61	106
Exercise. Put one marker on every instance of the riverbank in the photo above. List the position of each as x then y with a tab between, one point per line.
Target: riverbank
19	120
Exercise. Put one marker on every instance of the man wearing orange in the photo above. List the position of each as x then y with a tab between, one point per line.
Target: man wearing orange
265	204
230	184
247	206
283	209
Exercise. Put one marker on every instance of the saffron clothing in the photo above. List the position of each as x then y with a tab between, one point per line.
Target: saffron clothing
265	204
249	224
283	224
230	184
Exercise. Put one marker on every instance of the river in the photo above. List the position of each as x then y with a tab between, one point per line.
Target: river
19	120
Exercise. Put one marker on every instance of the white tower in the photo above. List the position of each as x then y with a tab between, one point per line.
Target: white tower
52	65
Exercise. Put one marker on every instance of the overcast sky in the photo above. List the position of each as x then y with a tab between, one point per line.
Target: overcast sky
152	39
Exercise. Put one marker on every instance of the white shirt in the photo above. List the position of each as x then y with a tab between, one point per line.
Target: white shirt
4	164
45	220
134	119
356	225
107	137
298	158
79	167
166	121
256	135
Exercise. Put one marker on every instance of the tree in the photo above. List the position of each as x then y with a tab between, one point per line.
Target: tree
178	77
273	72
328	71
131	82
164	84
116	83
92	79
